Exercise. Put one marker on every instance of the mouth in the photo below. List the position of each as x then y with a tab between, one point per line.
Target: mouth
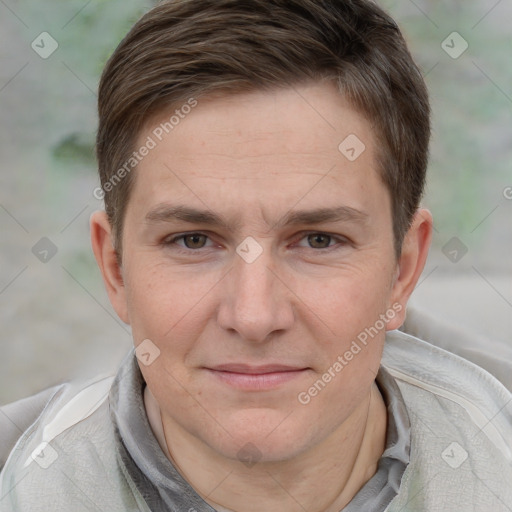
256	378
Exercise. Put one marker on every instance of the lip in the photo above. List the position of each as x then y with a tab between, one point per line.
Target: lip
255	369
256	378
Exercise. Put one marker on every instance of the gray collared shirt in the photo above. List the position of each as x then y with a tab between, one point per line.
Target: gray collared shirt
163	487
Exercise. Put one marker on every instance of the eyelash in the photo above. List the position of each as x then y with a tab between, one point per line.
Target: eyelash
173	241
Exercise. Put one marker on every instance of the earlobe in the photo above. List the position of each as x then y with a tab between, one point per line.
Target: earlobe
411	263
106	257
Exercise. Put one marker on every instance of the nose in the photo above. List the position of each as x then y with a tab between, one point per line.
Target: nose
255	301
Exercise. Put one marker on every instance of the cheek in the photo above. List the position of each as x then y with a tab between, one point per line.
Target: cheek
168	307
160	298
351	316
171	311
346	304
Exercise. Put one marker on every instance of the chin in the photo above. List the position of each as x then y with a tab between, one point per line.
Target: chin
261	436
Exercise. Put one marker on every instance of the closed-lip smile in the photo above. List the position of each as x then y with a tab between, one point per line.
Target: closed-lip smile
256	377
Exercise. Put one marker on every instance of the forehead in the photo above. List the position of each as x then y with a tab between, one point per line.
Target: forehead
316	112
265	148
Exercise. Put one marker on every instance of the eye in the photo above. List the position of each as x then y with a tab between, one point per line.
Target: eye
195	241
188	241
321	241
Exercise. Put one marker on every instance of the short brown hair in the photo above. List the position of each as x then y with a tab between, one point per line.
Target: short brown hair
186	49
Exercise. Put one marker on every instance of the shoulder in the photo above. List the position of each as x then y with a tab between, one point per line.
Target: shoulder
493	355
67	457
461	429
16	418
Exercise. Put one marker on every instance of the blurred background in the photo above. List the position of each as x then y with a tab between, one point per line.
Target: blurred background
56	320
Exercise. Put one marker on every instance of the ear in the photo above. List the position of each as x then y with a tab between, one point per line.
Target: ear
410	264
106	257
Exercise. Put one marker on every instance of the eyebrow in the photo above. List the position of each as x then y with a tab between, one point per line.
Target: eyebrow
170	213
324	215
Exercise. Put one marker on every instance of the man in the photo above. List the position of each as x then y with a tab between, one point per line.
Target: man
262	164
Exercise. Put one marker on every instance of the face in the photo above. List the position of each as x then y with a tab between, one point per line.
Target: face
256	254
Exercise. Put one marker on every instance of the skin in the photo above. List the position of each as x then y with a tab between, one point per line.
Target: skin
252	159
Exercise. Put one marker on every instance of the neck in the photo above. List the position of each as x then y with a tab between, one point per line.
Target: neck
323	479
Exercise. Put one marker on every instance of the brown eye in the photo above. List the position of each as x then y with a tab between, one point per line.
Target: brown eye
195	241
319	241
